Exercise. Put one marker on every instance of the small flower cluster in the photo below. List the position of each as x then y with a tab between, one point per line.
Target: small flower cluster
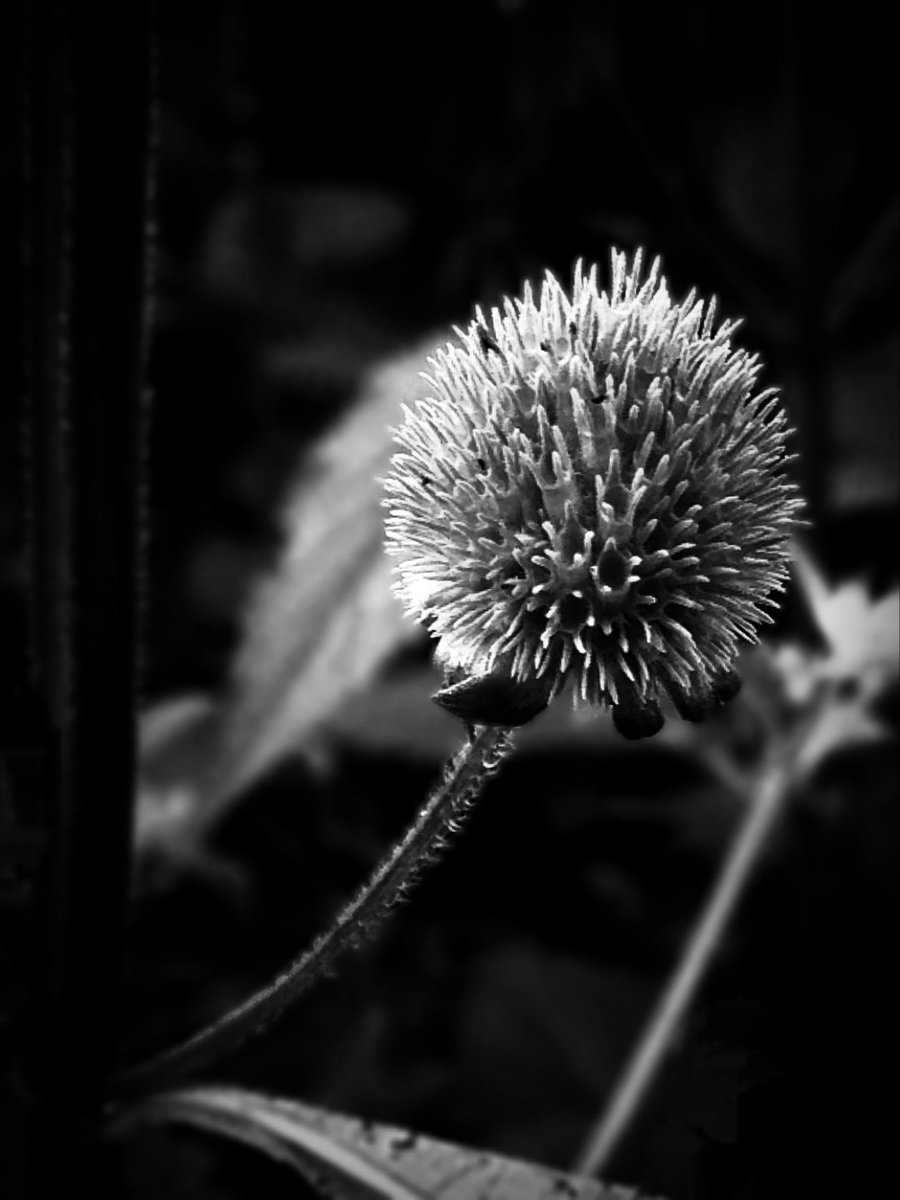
593	492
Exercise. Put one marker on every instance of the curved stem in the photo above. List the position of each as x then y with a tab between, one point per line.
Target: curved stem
764	807
462	781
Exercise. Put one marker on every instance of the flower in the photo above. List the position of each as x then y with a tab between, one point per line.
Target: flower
593	492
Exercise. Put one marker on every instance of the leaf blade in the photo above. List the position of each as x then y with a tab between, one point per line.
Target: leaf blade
324	620
354	1158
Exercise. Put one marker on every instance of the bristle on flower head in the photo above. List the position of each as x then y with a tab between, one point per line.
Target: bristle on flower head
593	491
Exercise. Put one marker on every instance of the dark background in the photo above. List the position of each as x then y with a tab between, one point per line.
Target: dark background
336	183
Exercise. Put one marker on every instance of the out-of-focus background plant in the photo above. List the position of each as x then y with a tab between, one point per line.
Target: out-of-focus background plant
333	192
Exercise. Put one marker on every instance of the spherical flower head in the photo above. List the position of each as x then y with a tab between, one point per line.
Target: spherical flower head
594	491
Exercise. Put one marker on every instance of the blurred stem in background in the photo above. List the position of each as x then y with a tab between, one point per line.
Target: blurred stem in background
765	800
87	171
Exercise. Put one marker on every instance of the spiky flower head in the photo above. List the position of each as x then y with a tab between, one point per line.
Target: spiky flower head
593	491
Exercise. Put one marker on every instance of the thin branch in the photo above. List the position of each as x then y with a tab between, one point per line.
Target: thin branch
463	780
776	781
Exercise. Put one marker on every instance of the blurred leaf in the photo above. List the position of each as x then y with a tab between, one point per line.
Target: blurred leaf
326	619
862	635
316	631
857	660
176	739
855	663
350	1159
844	723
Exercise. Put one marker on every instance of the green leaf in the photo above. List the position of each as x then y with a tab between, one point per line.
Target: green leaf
351	1159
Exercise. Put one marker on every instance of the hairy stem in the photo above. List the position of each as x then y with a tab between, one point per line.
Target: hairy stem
764	807
462	781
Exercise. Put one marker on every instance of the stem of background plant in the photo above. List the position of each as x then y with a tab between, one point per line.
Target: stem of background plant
462	781
87	179
764	806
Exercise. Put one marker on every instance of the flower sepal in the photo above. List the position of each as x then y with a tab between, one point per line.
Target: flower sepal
637	721
495	698
697	704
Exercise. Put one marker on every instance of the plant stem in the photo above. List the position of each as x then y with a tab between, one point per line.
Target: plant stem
462	781
764	806
87	172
